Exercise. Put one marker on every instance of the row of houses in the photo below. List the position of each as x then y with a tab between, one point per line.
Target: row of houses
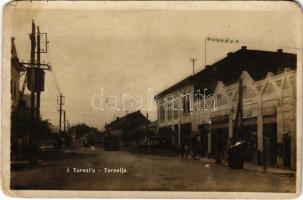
197	115
199	112
130	131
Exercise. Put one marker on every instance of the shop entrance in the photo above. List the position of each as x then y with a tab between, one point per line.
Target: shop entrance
219	143
251	143
165	137
286	150
270	148
203	133
185	137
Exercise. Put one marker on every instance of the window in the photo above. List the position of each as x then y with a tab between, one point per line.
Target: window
248	92
162	114
221	100
169	110
186	104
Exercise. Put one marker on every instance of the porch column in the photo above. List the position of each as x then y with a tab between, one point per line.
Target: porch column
230	126
280	130
260	130
209	140
179	134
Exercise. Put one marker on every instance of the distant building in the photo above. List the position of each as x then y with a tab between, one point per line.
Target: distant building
125	128
91	138
16	69
146	133
201	109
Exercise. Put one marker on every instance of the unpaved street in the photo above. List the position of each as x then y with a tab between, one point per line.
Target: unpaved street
129	171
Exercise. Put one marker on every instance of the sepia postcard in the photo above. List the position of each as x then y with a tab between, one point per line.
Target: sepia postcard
151	99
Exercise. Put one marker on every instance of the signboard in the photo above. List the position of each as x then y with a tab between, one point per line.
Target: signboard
43	42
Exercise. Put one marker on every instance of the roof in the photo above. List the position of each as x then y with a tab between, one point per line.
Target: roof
256	62
151	124
187	80
132	119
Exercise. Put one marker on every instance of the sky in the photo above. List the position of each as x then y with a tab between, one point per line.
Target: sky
130	50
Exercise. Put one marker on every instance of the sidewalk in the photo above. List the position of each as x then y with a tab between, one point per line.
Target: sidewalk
247	165
255	167
274	170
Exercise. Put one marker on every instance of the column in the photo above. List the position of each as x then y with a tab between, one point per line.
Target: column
179	134
280	130
230	126
209	140
260	131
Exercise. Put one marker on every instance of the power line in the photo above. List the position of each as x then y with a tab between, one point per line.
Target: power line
235	41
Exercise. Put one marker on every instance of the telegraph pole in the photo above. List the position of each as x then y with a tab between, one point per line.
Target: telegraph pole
64	120
33	146
34	79
239	114
67	126
193	105
38	68
236	154
31	71
60	102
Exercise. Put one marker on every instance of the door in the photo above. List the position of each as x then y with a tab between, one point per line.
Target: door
185	137
270	132
286	150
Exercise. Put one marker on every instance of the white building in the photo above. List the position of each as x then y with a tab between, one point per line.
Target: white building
269	107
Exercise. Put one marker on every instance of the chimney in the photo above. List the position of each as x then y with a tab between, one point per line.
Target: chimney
280	50
244	47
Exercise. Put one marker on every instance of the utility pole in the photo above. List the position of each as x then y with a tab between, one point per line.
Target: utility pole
193	105
38	68
64	120
34	79
60	102
237	151
33	146
67	126
239	114
32	72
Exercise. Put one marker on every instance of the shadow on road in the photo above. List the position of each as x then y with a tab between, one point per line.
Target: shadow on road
24	166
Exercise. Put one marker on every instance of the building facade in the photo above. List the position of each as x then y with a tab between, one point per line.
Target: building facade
124	130
16	69
269	107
